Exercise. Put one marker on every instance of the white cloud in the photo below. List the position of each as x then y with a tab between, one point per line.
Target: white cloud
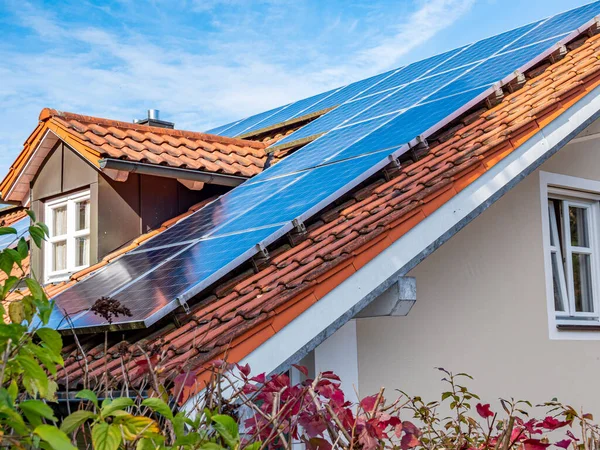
119	74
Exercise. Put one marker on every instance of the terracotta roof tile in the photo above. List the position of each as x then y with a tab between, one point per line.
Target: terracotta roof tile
246	310
104	138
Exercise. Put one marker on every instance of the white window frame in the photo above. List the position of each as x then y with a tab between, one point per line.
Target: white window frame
581	192
70	201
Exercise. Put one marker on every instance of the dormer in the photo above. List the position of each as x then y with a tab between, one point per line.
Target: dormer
99	184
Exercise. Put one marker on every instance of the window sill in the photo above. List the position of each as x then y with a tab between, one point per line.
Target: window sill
578	327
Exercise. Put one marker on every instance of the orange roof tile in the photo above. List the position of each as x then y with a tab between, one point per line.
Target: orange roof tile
245	311
96	138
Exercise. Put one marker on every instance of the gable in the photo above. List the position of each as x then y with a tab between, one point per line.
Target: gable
119	148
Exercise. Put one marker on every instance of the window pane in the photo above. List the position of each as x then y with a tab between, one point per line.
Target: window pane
59	221
582	280
578	220
82	215
559	301
59	256
82	251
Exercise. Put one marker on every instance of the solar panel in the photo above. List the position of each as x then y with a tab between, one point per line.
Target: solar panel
185	259
149	281
22	227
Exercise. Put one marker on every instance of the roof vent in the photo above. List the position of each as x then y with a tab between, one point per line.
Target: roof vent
153	120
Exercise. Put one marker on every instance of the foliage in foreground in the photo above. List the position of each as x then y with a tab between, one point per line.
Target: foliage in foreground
237	411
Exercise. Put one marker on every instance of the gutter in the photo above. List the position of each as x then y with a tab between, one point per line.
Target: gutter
171	172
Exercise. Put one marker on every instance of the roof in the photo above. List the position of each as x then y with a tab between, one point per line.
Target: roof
11	214
95	139
248	308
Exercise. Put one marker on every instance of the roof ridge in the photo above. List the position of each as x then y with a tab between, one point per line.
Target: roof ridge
48	113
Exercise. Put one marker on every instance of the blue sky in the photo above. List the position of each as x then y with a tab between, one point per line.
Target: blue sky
204	63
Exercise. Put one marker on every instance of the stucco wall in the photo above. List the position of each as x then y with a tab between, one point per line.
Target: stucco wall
481	308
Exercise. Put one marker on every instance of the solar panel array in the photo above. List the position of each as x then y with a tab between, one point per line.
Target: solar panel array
376	120
22	227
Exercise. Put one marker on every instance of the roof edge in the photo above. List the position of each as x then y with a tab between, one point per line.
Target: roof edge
48	113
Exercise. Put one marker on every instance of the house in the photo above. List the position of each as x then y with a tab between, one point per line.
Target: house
442	214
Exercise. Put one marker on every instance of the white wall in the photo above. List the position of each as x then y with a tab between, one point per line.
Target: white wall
481	308
339	354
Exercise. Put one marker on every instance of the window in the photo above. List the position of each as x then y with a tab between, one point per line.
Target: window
68	247
573	257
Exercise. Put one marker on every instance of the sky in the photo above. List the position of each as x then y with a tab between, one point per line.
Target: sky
204	63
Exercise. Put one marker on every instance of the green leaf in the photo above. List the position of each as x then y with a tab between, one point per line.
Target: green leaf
157	405
16	312
35	288
36	410
13	390
86	394
179	424
6	263
35	379
253	446
192	439
9	283
106	437
135	426
75	420
147	444
109	406
31	214
44	228
7	230
36	234
227	429
23	248
15	256
51	338
53	436
210	446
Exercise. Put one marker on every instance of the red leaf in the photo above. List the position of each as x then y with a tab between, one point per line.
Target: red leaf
398	430
245	370
550	423
330	376
318	444
564	443
368	403
368	442
571	435
484	410
302	369
410	428
260	378
535	444
409	441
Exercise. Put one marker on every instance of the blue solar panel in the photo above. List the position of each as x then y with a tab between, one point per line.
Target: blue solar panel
336	117
22	227
197	251
218	213
408	125
407	96
293	110
560	25
304	193
322	150
239	127
347	93
412	71
491	71
484	49
153	290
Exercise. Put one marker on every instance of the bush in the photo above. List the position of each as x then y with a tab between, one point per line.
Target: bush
238	411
